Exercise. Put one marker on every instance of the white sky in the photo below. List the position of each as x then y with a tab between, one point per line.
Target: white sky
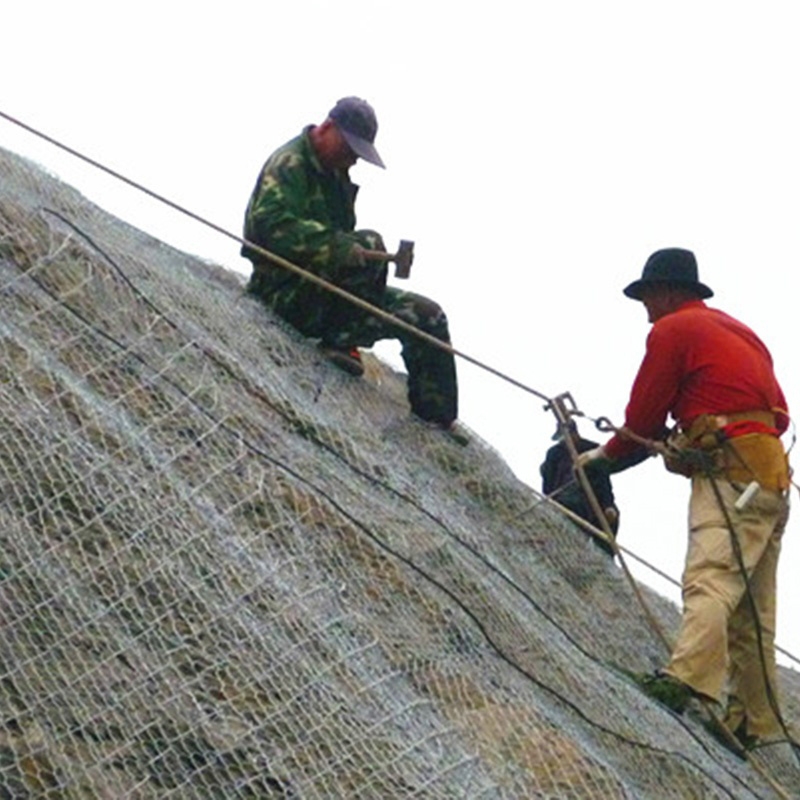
537	153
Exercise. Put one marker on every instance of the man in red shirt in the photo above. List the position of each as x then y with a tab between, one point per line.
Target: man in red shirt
715	378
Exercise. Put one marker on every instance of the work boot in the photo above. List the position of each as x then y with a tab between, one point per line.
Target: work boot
668	691
747	740
348	359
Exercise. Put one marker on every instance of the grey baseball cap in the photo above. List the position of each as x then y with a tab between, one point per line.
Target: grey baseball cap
356	120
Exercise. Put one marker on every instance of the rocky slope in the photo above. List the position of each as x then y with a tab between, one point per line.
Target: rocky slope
229	570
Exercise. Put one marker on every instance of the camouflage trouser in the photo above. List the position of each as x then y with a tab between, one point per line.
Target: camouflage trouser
315	312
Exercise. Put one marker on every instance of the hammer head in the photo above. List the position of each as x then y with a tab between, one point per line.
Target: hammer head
403	259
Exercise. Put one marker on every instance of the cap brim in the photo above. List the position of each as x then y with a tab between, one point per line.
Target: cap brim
634	290
363	149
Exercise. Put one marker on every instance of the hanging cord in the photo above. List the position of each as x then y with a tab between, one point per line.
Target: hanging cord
723	729
593	530
564	407
600	535
736	547
696	459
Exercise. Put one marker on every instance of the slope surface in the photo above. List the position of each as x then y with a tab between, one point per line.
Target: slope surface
229	570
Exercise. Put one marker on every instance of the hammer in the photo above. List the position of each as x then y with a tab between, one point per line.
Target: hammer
403	258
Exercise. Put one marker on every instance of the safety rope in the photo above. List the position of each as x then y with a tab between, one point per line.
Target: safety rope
563	407
596	533
333	288
737	550
284	263
724	730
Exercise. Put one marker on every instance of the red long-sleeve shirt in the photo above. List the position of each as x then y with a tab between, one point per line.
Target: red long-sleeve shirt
698	361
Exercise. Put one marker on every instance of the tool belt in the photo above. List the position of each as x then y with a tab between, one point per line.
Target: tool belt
741	447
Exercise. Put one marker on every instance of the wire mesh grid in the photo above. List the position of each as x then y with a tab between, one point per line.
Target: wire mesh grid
228	570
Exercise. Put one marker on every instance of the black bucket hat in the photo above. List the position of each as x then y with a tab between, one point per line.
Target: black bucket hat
356	120
672	265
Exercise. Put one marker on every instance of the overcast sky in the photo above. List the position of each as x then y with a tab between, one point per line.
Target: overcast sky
537	153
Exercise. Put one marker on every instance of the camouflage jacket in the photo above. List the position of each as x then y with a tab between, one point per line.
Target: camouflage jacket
300	211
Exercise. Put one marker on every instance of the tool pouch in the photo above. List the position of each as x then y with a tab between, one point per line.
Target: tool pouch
708	448
756	457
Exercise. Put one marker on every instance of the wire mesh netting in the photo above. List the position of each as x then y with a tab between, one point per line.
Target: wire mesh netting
229	570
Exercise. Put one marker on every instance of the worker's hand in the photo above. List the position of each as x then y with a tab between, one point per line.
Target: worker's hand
358	257
592	456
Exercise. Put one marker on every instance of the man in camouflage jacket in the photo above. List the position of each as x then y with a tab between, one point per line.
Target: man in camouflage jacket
303	209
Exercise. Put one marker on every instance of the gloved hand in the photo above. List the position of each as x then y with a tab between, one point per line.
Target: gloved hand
588	457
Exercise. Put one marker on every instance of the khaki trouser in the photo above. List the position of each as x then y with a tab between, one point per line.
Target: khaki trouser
718	638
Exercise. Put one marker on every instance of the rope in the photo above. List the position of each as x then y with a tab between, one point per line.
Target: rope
593	530
562	413
341	293
719	725
284	263
751	602
703	463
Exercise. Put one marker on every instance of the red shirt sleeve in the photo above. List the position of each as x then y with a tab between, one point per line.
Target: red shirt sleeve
654	392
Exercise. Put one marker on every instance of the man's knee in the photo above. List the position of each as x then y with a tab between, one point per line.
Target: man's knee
431	317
